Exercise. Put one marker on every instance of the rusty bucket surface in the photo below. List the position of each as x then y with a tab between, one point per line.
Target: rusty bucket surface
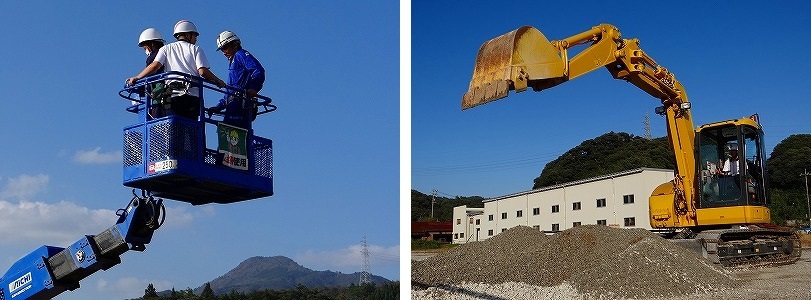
509	62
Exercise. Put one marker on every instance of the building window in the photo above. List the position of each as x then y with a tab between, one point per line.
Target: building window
477	221
489	217
503	229
555	208
489	232
461	235
601	202
536	226
458	221
503	216
602	222
575	224
455	236
536	211
630	222
628	199
576	206
555	227
519	213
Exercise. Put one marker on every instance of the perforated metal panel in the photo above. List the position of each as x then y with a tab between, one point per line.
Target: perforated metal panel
210	157
133	148
263	157
175	140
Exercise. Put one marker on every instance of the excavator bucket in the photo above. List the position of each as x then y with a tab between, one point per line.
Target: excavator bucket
513	61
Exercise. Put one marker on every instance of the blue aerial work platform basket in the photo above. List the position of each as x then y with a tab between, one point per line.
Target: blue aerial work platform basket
167	155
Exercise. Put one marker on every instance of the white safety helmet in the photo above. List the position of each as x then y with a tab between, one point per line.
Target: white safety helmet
224	38
149	34
184	26
732	147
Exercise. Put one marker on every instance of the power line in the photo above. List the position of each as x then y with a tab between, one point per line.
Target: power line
536	161
384	257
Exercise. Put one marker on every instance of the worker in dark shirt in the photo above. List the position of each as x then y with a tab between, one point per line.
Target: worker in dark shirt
151	40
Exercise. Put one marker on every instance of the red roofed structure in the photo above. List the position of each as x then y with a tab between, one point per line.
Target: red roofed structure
436	231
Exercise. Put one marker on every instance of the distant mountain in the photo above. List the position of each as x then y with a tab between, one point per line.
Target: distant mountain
277	273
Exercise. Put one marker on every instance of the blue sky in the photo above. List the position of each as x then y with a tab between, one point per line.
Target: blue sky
332	69
734	59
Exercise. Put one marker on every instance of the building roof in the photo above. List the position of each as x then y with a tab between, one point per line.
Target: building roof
582	181
431	226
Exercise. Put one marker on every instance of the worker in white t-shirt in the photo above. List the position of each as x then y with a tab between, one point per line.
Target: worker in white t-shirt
730	165
182	56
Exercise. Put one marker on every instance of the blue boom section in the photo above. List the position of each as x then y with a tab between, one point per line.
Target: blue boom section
168	156
48	271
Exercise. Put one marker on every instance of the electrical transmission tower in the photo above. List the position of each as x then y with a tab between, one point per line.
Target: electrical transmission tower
364	275
647	126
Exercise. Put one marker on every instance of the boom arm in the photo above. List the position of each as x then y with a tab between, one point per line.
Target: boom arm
525	58
49	271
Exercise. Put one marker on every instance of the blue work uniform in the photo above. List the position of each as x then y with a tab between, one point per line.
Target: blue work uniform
244	72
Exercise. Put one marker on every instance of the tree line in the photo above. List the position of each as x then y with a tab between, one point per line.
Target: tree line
367	291
616	152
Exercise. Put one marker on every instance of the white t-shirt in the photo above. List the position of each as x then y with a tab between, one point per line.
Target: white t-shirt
730	167
183	57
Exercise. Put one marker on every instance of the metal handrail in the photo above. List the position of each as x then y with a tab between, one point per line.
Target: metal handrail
129	90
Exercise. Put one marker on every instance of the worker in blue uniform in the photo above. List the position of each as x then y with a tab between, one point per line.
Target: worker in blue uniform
244	73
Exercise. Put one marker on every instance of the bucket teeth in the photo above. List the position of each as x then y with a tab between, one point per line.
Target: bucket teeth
510	62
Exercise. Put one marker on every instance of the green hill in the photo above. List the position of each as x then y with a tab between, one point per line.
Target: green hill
606	154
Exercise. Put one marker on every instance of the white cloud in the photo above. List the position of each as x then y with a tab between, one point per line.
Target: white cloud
95	156
58	224
25	186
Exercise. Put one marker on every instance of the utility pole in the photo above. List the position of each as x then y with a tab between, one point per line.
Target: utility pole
807	201
433	200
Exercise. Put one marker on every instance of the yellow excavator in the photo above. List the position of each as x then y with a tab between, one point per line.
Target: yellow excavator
717	202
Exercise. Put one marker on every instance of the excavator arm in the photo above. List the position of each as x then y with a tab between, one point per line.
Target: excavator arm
524	58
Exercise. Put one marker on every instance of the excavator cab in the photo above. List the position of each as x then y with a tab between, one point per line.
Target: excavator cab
730	157
170	156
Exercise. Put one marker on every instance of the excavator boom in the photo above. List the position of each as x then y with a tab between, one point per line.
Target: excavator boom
525	58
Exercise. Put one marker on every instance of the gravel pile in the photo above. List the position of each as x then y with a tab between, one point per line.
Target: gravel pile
594	260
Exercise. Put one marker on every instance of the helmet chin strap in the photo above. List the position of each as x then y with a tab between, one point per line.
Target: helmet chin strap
147	52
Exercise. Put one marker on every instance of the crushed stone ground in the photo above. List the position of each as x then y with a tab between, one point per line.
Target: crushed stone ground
584	262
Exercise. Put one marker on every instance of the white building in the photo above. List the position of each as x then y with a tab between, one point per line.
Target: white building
465	223
617	200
